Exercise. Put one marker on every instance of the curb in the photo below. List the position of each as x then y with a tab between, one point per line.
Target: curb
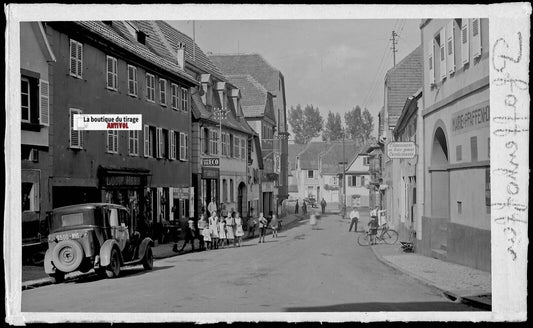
452	296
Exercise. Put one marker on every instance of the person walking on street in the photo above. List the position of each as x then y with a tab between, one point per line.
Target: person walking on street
189	234
304	208
296	207
239	231
213	226
274	226
230	229
252	225
202	223
323	205
373	230
262	227
354	218
313	220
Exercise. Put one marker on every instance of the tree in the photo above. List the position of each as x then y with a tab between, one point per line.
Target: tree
333	127
313	123
296	120
353	121
367	125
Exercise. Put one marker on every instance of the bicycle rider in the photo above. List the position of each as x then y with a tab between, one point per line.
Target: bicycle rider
373	229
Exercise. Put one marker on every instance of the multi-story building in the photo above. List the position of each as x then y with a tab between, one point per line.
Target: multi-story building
456	114
357	177
257	106
273	81
109	67
401	81
36	57
222	141
307	170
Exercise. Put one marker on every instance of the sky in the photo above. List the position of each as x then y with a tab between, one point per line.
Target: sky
332	64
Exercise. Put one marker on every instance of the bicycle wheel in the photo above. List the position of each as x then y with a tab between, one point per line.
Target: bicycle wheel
363	239
390	237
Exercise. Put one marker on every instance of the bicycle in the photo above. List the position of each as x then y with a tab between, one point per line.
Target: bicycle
385	234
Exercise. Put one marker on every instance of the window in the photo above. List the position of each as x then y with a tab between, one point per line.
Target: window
132	81
442	45
473	149
152	141
231	143
159	142
310	174
184	99
175	97
165	146
184	143
459	207
76	136
450	45
465	44
171	145
365	161
76	59
224	190
243	148
476	38
25	100
224	144
147	148
231	197
205	141
30	197
112	76
362	181
459	153
431	61
112	141
236	146
163	92
213	142
150	87
133	144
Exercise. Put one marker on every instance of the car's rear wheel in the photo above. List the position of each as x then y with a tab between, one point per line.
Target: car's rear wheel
113	269
148	260
58	277
67	255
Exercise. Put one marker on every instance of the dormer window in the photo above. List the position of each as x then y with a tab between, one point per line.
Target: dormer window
141	37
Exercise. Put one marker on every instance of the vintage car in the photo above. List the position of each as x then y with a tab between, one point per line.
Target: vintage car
94	236
311	201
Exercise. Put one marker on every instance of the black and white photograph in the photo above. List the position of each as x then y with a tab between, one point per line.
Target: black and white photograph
211	163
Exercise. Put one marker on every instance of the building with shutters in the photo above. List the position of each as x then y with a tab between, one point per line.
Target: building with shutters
111	67
357	176
36	58
273	81
222	144
456	144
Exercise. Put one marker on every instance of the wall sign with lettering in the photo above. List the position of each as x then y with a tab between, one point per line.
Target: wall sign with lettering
471	118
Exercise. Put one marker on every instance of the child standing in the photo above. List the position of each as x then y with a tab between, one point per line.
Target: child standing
230	232
263	222
221	232
206	233
239	231
213	227
274	226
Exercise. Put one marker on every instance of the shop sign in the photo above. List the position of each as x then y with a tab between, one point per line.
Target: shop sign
181	193
401	150
210	161
122	180
471	118
209	173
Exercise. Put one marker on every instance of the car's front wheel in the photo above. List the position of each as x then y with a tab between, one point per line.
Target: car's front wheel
113	269
148	260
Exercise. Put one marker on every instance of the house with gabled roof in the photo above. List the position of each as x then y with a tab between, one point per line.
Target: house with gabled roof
273	81
357	177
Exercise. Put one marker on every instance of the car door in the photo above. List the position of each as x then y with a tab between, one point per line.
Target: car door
119	232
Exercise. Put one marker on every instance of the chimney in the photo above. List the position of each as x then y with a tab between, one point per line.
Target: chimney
181	55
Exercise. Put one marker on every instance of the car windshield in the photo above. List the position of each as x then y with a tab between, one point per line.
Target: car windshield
62	220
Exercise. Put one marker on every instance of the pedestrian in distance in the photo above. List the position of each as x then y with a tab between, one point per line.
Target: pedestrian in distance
202	223
274	226
206	233
239	231
190	233
263	222
296	207
252	225
212	207
354	218
304	208
323	205
221	232
313	220
230	229
213	227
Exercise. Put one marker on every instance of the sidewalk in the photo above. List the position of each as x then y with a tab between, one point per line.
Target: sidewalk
34	276
459	283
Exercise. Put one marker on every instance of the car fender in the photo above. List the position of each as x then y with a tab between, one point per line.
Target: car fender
105	252
144	244
48	266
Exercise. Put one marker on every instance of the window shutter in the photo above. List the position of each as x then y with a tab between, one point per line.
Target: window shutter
115	141
178	96
75	136
130	142
442	54
182	146
109	65
73	57
465	44
44	108
109	139
80	59
172	150
159	142
450	44
186	157
146	140
431	62
476	38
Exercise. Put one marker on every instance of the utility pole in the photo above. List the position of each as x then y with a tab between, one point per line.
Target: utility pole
220	114
344	173
394	50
